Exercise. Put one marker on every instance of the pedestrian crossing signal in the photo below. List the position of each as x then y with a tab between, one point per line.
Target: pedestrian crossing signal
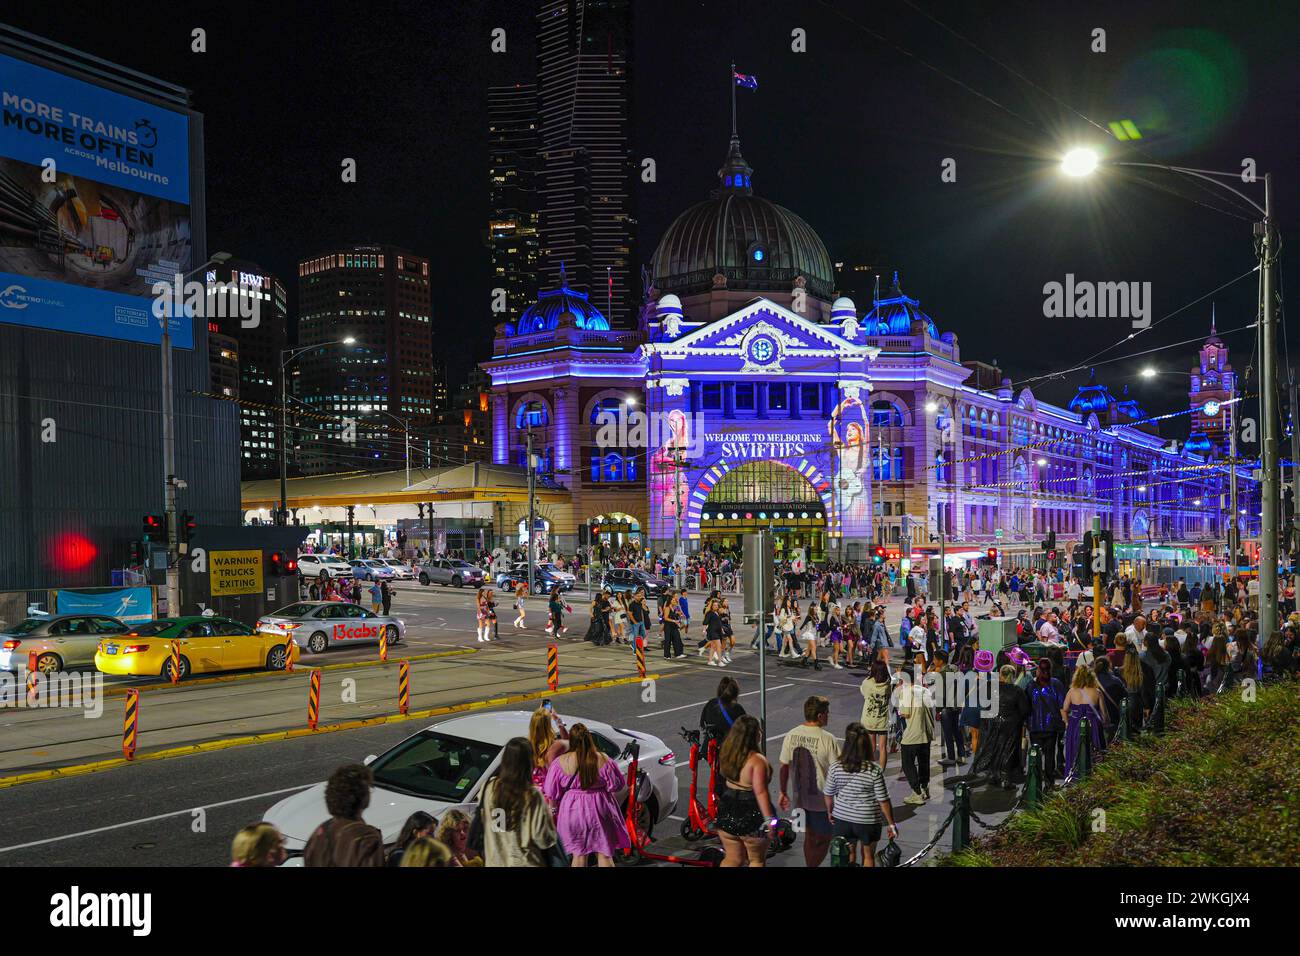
154	528
878	557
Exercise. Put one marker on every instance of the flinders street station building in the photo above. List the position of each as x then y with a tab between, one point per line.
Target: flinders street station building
752	395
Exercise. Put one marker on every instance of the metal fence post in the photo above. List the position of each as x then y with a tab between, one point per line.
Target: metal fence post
961	818
1084	758
1034	779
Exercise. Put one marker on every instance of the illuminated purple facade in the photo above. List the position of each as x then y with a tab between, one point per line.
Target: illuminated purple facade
774	404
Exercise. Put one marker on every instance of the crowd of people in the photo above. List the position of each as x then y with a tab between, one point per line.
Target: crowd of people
553	800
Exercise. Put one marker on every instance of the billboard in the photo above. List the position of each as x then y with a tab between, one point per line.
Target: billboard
130	605
94	206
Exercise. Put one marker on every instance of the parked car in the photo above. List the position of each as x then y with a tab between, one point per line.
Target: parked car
60	642
546	578
208	645
316	625
447	765
629	579
311	566
451	571
371	570
401	570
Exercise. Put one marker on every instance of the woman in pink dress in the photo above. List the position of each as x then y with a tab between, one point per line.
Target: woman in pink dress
582	783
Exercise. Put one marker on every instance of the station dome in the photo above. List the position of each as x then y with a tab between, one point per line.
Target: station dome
562	304
894	314
754	243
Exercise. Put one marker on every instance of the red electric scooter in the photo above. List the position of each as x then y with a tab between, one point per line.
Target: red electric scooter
700	819
709	855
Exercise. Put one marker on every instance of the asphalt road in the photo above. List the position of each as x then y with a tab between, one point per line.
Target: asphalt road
183	811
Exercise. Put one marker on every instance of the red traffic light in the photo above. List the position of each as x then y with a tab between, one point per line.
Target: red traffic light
993	554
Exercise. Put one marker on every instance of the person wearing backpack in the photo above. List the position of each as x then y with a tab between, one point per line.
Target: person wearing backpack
720	713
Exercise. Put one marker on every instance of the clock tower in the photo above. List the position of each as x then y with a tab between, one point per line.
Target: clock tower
1214	384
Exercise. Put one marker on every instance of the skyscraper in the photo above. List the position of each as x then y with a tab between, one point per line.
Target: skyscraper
247	329
513	161
359	402
584	91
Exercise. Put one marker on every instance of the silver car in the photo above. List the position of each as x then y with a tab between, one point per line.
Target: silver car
451	571
60	643
401	571
316	625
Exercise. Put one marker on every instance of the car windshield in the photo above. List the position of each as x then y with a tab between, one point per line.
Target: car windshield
27	626
434	765
293	610
150	628
462	564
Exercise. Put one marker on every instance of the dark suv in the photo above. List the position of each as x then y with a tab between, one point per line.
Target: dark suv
629	579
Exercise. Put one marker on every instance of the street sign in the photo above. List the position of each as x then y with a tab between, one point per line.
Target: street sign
235	572
997	533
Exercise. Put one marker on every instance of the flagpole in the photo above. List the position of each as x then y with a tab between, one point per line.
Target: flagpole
733	99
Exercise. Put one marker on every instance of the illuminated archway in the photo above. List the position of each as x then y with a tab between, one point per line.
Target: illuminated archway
765	495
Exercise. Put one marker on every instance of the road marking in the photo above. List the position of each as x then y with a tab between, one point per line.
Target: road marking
186	750
160	816
304	667
697	703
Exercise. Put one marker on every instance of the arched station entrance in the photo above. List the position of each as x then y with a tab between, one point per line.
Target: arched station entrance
765	495
615	529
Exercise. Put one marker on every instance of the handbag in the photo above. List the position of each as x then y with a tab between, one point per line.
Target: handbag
891	855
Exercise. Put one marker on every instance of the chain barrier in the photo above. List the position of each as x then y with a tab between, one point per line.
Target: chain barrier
934	841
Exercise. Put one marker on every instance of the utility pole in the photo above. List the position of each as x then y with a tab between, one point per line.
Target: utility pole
1267	249
679	460
280	517
532	572
943	568
1233	532
169	469
1096	580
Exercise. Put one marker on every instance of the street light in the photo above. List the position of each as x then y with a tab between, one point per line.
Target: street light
173	586
286	357
1080	162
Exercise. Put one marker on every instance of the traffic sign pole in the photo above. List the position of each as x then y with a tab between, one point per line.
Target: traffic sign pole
1096	582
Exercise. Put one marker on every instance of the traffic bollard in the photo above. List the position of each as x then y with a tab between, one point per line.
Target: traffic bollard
961	817
313	700
290	652
383	645
1034	779
176	662
403	686
640	657
130	723
1084	760
33	680
553	666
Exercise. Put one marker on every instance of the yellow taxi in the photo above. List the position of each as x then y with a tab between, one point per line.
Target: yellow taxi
207	644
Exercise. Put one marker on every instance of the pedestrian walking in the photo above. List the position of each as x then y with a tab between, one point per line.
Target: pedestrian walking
856	796
806	755
520	591
386	596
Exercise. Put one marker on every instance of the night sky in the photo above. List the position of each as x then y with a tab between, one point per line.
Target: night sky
851	135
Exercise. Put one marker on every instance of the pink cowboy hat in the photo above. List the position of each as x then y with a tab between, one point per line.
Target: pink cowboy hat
1018	657
984	661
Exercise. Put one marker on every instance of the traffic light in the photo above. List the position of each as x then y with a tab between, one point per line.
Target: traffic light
135	556
991	556
1051	556
154	528
276	567
188	524
1049	544
879	555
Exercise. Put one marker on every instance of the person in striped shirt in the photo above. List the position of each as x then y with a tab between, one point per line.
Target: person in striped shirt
856	797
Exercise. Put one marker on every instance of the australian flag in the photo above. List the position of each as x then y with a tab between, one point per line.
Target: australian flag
747	80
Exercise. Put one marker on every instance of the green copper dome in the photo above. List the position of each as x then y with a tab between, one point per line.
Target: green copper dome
758	245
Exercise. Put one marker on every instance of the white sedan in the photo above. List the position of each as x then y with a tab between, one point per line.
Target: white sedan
402	572
446	765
